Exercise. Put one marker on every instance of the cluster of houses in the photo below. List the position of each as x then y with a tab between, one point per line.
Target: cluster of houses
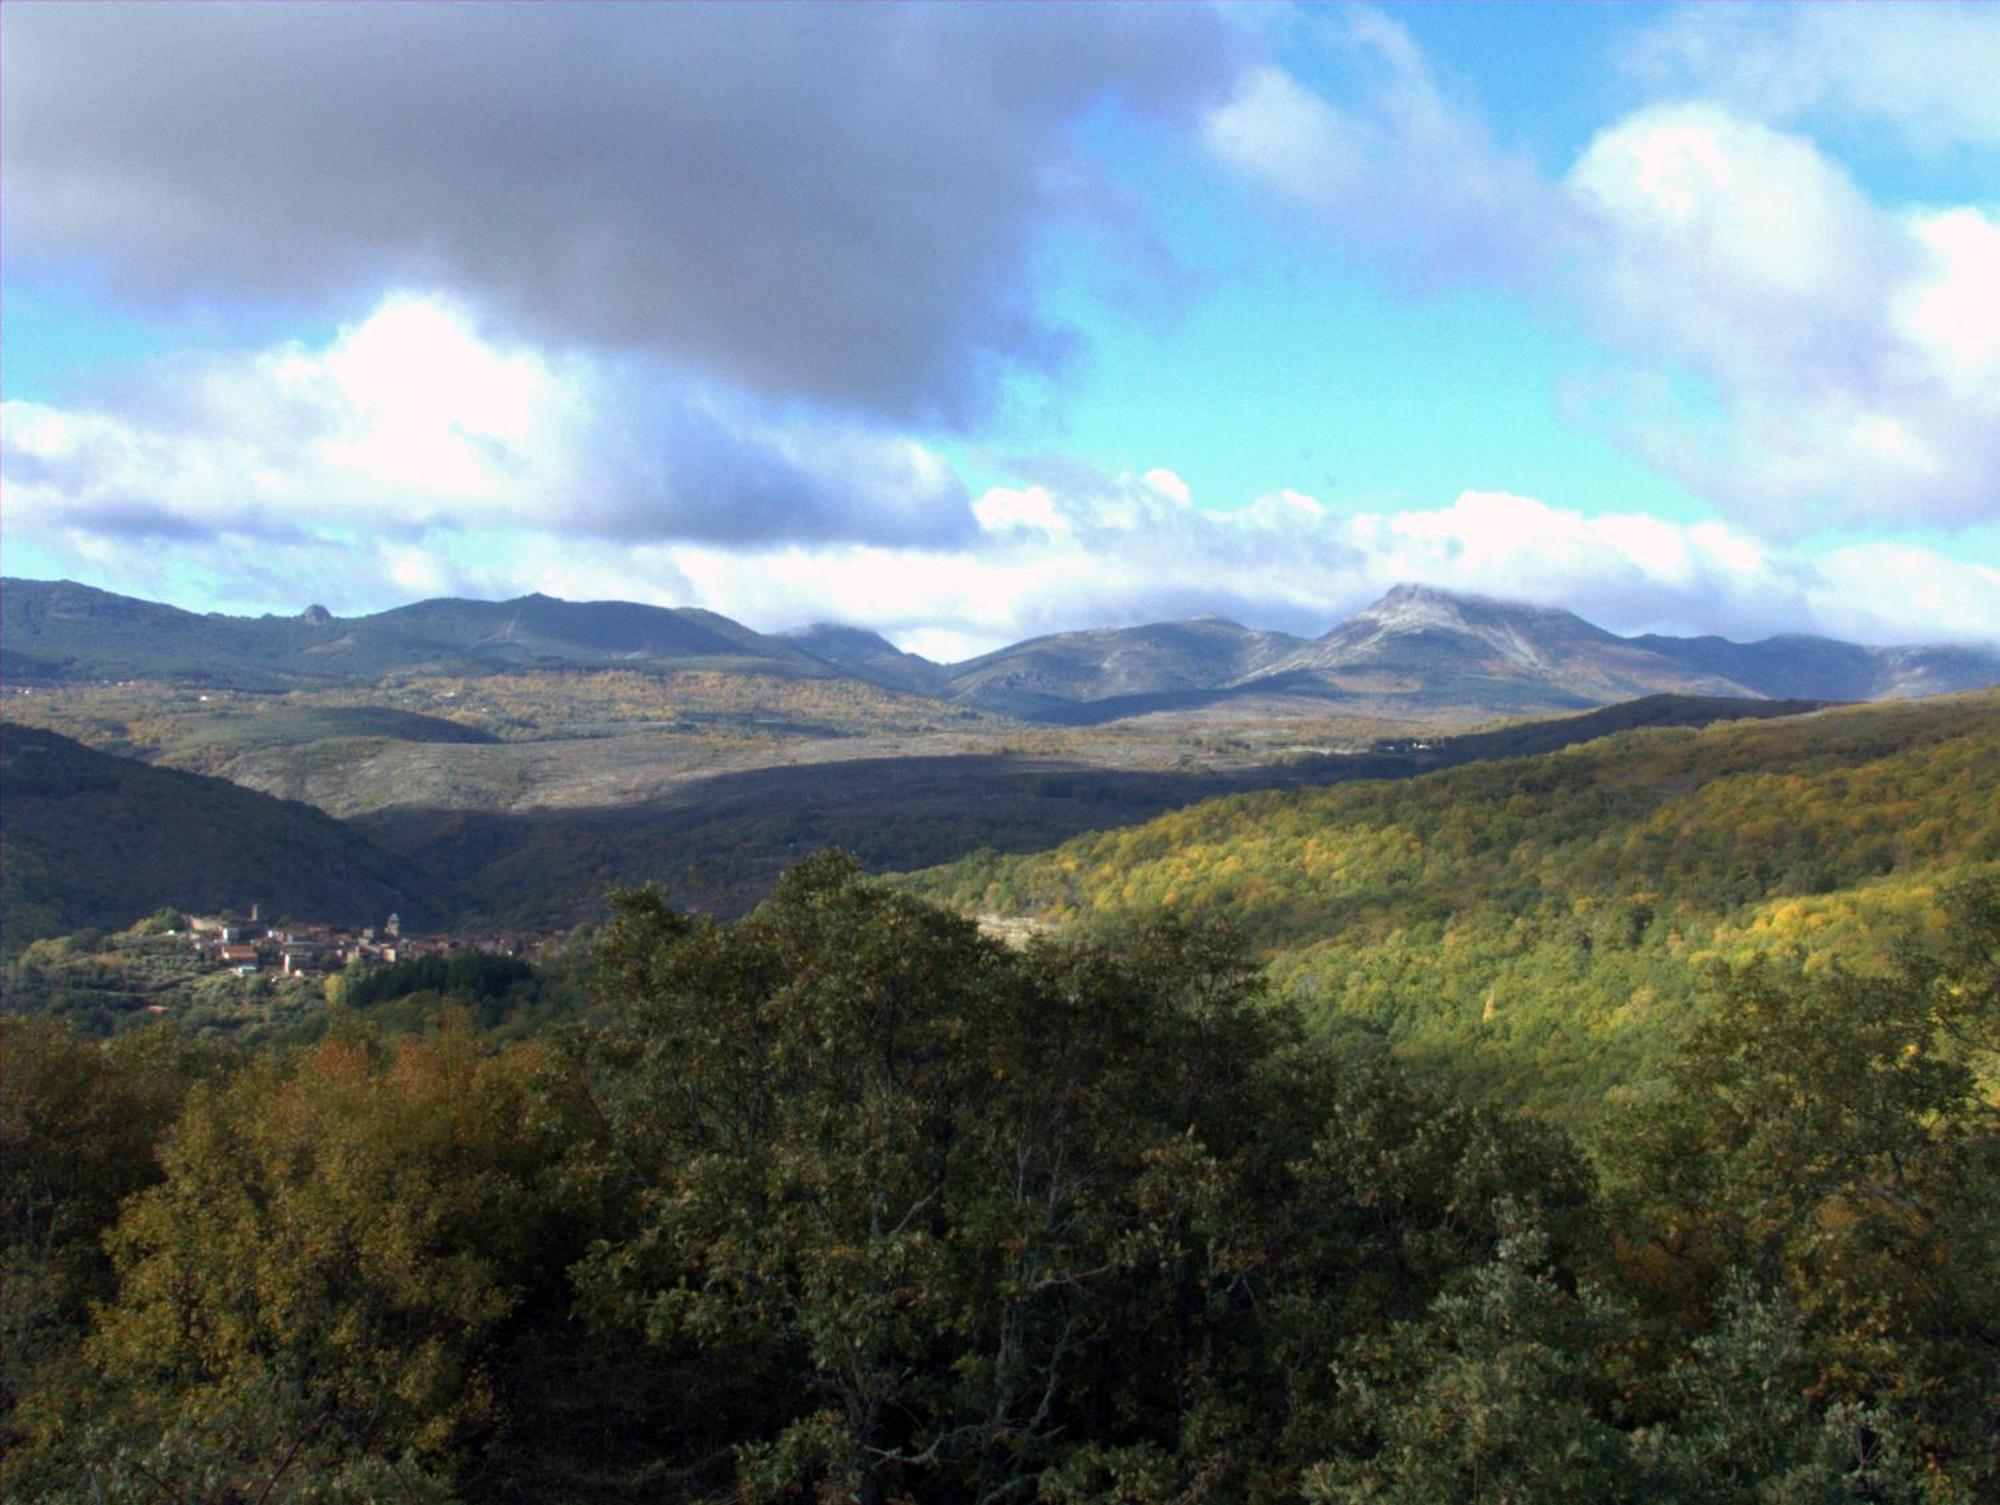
250	946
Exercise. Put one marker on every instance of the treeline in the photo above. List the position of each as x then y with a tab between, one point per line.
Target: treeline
472	974
846	1202
1539	927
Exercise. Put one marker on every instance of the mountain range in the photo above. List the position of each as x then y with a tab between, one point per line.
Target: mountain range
1418	651
61	630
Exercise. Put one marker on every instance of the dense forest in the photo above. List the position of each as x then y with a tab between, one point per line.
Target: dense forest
1537	928
1618	1123
92	840
845	1200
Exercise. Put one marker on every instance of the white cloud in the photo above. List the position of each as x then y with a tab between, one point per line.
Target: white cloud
417	400
1841	351
1757	214
1950	311
1168	485
1875	592
1003	509
1276	129
1288	562
1928	70
419	572
1405	169
411	420
1117	551
1850	349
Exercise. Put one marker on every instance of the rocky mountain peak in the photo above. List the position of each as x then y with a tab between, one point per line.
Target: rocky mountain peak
1413	605
1422	605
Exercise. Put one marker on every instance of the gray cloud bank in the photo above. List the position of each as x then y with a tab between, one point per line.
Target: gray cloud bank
831	202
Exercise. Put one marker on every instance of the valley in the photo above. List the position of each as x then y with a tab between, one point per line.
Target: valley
516	760
989	754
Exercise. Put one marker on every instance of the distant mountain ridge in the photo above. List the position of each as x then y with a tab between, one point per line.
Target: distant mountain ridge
1045	677
870	656
1777	666
1421	649
62	630
1418	651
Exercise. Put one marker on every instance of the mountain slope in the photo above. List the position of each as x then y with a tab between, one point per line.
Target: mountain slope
1045	676
91	839
1417	653
1540	924
869	656
1798	664
717	843
62	630
1418	640
1420	653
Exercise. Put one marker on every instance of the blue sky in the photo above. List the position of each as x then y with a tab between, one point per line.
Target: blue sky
969	323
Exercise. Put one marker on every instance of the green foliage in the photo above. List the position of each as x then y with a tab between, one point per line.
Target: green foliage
1538	928
959	1216
845	1201
503	997
78	1127
1801	1267
1753	1429
312	1287
1497	1394
1829	1141
470	974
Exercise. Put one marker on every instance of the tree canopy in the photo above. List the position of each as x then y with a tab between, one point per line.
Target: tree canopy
846	1201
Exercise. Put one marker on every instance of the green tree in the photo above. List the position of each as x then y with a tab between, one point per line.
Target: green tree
308	1299
942	1201
1495	1395
1830	1147
960	1223
79	1123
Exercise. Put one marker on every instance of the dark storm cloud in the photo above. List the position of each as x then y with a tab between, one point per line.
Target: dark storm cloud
824	201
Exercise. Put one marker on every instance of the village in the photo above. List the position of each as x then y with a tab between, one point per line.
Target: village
250	946
238	975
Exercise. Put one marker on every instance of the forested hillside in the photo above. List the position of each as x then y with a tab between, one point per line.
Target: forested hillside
846	1202
1537	926
91	840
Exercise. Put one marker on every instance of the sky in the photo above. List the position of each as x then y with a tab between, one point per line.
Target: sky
973	322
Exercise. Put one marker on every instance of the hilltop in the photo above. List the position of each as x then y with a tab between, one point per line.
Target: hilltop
61	630
1418	653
